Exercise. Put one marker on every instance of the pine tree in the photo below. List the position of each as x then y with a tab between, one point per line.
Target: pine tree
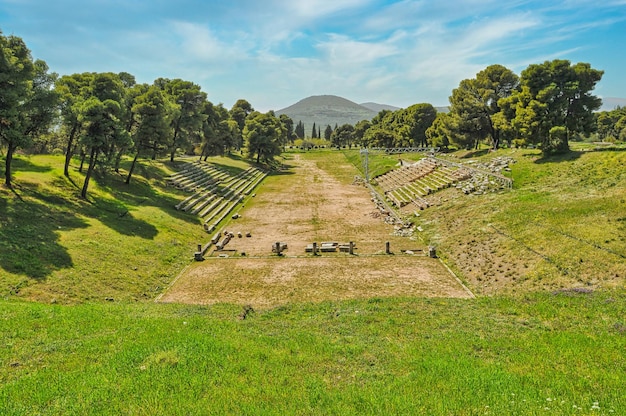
328	132
299	130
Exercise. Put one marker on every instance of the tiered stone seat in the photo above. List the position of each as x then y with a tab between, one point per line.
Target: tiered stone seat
410	184
215	192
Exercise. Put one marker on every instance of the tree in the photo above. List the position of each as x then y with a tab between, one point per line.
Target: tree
385	130
343	136
151	114
611	124
314	132
328	132
188	102
359	131
475	103
416	119
101	114
239	112
554	94
262	134
439	133
27	102
218	131
72	90
299	130
288	125
379	135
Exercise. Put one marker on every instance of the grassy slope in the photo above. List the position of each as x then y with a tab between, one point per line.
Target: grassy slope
563	225
382	356
126	243
514	354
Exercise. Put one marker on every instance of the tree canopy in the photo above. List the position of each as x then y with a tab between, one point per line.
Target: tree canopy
106	116
27	102
262	135
554	102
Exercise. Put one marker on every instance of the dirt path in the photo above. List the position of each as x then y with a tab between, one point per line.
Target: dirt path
308	204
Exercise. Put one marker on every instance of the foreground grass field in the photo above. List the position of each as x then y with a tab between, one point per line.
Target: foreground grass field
550	338
559	353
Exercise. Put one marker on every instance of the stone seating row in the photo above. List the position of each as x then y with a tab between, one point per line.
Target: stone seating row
439	177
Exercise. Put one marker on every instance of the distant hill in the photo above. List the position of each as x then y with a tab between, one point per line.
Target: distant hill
379	107
609	103
331	110
326	110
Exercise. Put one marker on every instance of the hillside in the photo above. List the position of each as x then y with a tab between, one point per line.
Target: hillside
611	103
326	110
379	107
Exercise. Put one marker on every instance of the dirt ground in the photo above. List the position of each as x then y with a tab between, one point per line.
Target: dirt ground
302	206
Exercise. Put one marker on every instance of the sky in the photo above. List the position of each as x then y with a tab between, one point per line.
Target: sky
274	53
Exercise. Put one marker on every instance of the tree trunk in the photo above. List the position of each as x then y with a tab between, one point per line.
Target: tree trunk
68	151
92	163
204	151
132	168
118	159
82	160
7	164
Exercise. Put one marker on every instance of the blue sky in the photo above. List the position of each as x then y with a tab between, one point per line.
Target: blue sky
276	52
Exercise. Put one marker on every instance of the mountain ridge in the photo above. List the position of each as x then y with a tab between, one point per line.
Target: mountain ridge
333	110
326	110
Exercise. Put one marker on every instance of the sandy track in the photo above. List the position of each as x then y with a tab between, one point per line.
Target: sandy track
309	204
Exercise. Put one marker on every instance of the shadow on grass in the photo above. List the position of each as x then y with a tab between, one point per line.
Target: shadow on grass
562	157
23	164
285	169
116	212
232	170
29	233
32	215
475	153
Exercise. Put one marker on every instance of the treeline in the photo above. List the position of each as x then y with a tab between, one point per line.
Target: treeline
105	116
548	105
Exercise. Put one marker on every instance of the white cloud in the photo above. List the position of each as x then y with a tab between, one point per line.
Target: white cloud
315	9
342	51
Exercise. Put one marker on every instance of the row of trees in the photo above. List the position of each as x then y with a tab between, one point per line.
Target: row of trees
316	132
548	105
612	125
104	116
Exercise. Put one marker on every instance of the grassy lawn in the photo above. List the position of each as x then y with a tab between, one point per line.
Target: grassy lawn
543	353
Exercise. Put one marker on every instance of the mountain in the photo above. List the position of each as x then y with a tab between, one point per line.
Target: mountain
331	110
326	110
609	103
379	107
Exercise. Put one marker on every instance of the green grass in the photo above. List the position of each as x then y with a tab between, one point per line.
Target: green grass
560	226
126	242
381	356
379	162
